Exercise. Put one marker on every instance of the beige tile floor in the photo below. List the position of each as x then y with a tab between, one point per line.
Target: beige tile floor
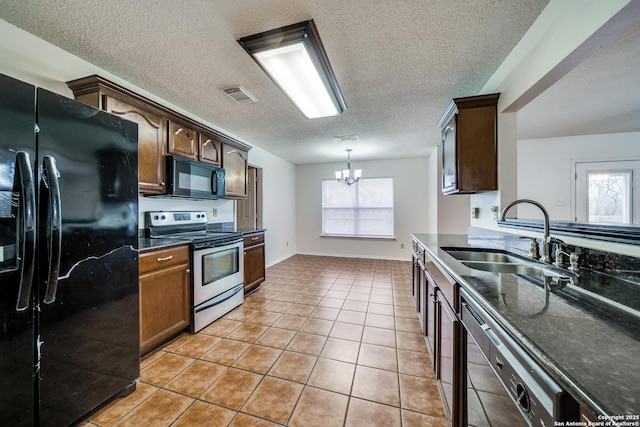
325	342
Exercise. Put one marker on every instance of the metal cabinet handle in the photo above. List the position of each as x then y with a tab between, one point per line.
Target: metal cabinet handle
254	238
24	172
50	177
214	182
167	258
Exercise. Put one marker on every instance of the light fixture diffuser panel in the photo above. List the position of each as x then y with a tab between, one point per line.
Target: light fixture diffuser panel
294	58
291	67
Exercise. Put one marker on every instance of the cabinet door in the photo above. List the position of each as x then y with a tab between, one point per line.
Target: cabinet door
164	305
254	267
182	141
423	299
431	318
235	164
209	149
415	289
448	372
152	134
449	158
165	290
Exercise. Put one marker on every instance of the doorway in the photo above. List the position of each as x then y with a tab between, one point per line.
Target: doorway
249	210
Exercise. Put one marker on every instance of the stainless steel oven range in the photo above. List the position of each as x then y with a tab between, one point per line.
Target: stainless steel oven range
217	262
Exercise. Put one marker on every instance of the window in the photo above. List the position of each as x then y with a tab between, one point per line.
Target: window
364	209
605	192
610	197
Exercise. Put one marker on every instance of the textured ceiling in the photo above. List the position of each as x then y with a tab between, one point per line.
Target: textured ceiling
601	95
398	63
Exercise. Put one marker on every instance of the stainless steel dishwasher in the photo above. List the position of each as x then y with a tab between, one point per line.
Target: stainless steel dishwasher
504	385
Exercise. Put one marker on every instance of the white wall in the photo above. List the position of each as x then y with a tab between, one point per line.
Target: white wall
555	44
279	204
454	211
434	178
548	178
410	179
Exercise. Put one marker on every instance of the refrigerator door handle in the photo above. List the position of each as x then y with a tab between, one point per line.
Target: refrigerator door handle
54	239
28	243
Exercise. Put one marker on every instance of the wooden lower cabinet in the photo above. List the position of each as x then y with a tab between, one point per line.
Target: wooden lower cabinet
431	304
449	369
164	296
254	261
437	296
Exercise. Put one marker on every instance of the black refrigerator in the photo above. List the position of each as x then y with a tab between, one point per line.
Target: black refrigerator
68	257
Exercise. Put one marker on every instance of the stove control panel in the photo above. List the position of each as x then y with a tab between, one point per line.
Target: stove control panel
166	218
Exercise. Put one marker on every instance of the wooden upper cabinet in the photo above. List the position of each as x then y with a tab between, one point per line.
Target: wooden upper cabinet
469	145
209	149
163	131
182	141
235	164
152	134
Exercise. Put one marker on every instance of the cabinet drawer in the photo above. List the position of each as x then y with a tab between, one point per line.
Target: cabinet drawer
253	239
447	286
163	258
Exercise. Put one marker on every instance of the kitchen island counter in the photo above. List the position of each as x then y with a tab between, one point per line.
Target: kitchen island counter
587	345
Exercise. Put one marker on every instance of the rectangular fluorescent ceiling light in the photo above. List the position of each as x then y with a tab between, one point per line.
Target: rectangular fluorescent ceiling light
295	59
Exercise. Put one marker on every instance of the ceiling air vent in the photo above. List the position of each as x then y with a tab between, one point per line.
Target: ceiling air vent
345	138
240	95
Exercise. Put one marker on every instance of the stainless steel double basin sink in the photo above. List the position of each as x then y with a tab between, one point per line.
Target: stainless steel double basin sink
499	261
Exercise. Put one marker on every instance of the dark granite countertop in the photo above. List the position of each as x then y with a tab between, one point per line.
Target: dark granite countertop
249	230
587	345
146	244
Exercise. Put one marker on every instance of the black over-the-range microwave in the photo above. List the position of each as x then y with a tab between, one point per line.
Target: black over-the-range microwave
188	178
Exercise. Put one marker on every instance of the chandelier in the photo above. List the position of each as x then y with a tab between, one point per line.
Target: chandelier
348	176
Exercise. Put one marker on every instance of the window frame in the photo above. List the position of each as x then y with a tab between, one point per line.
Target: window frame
356	208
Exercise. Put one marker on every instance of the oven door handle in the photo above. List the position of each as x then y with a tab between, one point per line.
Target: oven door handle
217	244
220	298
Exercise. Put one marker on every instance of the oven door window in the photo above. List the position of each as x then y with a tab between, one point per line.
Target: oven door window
220	264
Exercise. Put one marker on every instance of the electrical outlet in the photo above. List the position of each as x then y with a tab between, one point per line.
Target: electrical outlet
214	212
286	244
401	245
475	212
